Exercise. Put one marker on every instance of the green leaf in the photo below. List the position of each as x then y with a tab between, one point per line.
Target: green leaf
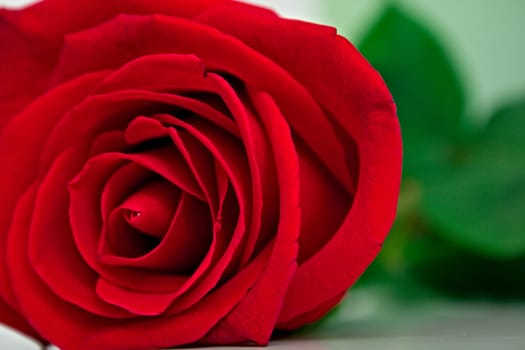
458	273
426	89
480	204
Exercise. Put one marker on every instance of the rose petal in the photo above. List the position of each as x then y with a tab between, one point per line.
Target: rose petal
138	303
164	161
105	113
165	73
59	264
25	66
47	18
312	315
318	222
202	165
227	233
111	141
28	132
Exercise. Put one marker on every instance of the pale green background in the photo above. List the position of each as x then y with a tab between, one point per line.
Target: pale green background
484	37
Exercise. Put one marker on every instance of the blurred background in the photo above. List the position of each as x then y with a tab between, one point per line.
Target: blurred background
455	258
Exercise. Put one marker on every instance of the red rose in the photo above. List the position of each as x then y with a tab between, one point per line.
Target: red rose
179	172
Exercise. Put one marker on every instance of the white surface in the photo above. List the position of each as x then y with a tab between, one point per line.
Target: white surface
16	3
367	322
12	340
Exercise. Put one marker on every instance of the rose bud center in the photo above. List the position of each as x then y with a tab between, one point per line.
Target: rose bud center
150	210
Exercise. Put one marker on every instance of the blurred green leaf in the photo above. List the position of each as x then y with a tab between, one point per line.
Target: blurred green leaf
504	133
420	265
426	89
461	220
480	204
459	273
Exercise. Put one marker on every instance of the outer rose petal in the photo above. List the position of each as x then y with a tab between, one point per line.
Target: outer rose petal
354	94
31	39
23	164
25	66
68	277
